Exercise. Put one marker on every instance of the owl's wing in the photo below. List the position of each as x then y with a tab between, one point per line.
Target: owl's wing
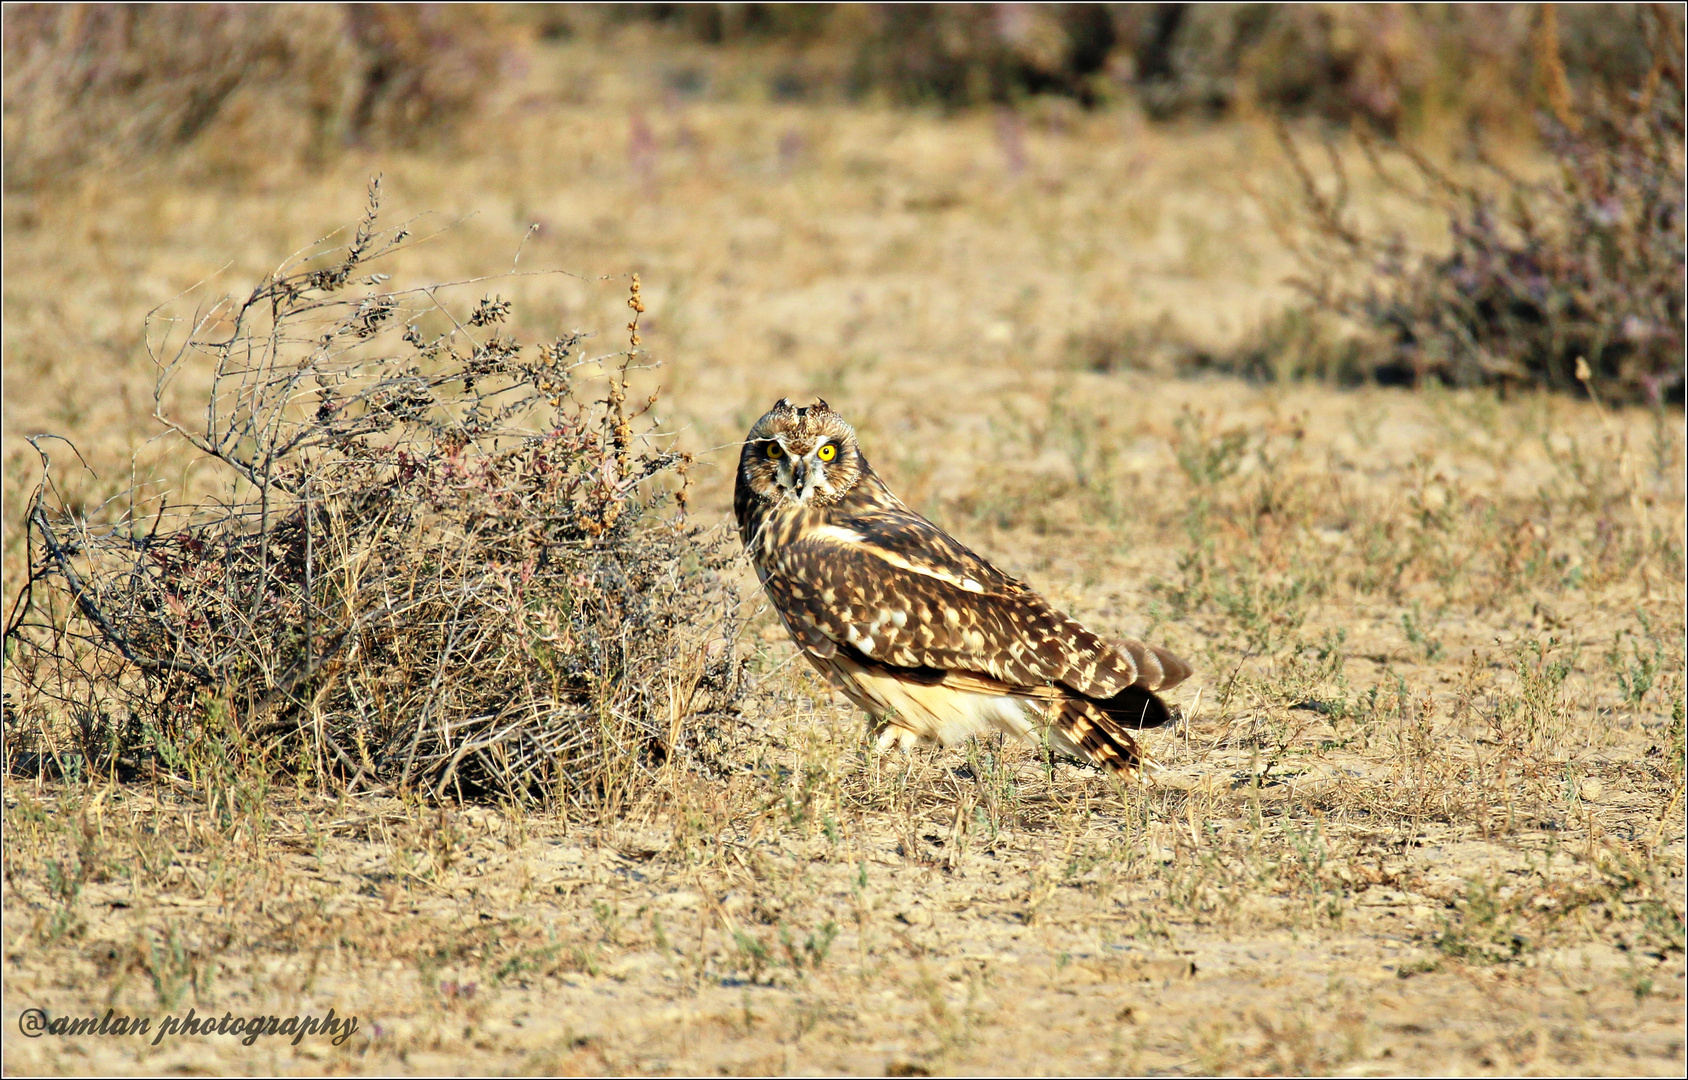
895	605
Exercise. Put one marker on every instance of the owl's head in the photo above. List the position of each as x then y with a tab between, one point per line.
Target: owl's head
800	454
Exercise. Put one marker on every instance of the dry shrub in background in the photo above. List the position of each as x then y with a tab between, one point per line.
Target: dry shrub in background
437	566
1389	66
253	85
1540	278
952	54
961	54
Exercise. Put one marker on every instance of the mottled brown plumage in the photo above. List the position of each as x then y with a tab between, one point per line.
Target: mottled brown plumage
933	641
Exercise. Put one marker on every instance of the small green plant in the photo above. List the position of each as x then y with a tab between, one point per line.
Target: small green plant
1206	454
811	954
64	891
1485	929
1636	672
1411	625
175	967
753	955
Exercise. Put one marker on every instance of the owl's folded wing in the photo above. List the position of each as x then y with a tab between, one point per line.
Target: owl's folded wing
891	607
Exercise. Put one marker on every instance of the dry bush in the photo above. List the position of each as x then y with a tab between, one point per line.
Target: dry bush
102	85
434	566
1540	277
961	54
1386	66
950	54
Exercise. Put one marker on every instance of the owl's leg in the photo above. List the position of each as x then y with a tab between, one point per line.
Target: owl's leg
889	735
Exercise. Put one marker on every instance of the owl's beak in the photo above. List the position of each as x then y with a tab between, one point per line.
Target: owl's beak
799	476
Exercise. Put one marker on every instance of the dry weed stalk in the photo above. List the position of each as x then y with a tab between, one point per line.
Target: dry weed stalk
435	566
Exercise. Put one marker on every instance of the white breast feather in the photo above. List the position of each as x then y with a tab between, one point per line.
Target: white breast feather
942	714
834	534
925	571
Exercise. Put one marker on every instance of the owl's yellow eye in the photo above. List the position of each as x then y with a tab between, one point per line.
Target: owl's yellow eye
827	452
774	452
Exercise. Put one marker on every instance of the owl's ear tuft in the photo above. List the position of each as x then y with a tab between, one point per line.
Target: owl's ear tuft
783	403
820	405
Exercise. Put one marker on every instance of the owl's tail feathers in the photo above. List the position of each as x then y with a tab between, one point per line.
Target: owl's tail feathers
1135	708
1100	731
1156	668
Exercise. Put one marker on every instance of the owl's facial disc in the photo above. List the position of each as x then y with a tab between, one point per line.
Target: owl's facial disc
801	455
801	472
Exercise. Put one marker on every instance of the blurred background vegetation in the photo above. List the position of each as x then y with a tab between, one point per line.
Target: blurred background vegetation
1586	264
89	83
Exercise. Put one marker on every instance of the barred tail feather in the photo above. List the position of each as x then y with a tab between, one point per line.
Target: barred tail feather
1156	668
1098	736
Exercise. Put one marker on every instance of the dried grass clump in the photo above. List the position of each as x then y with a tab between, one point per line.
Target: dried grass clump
1570	282
103	85
438	565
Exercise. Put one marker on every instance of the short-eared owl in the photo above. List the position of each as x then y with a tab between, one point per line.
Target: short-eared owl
933	641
